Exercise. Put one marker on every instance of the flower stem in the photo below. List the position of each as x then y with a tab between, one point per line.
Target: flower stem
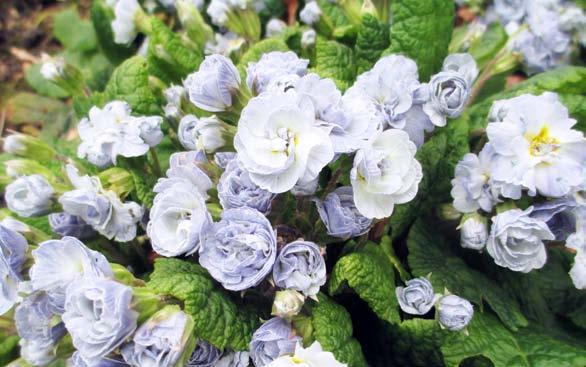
155	161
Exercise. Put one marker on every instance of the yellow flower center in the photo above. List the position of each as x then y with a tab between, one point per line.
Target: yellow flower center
296	360
542	143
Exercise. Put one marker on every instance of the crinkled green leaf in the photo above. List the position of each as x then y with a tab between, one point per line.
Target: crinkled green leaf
371	275
530	347
438	158
429	252
330	324
334	12
417	342
169	58
422	30
217	318
130	83
142	188
576	105
563	80
372	40
102	16
335	60
73	32
484	48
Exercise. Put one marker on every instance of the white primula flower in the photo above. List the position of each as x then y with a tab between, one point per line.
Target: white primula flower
224	44
57	263
516	240
101	209
536	146
385	173
472	187
312	356
29	196
273	65
207	133
218	10
123	24
53	68
310	13
391	85
177	218
279	142
111	131
215	85
275	27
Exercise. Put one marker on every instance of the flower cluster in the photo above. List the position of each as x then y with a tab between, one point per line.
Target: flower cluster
532	151
256	183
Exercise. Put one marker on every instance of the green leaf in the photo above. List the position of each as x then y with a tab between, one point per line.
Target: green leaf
32	108
422	30
576	105
335	60
371	275
562	80
102	16
330	324
438	158
82	104
41	85
142	188
334	12
372	40
489	44
429	252
73	32
8	348
531	347
169	58
417	342
130	83
217	318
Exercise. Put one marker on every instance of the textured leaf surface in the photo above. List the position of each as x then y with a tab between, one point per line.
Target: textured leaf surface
331	326
528	347
169	59
569	80
372	40
429	252
371	275
335	60
130	83
422	30
417	342
217	318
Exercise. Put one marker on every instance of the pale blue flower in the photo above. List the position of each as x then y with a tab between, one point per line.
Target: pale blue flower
559	216
13	248
340	216
417	297
186	166
391	86
77	361
454	312
58	263
234	359
236	189
223	158
272	339
451	88
205	133
204	355
275	27
473	231
33	318
98	316
177	218
300	266
311	13
239	251
65	224
511	10
213	87
516	240
273	65
161	340
29	196
123	24
37	352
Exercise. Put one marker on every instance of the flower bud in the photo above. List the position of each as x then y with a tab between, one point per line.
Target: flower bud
66	76
27	146
287	304
473	231
118	180
192	21
454	312
29	196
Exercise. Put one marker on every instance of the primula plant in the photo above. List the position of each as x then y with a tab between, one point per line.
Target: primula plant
234	183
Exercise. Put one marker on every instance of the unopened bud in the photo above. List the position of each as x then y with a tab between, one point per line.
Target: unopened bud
287	304
473	231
